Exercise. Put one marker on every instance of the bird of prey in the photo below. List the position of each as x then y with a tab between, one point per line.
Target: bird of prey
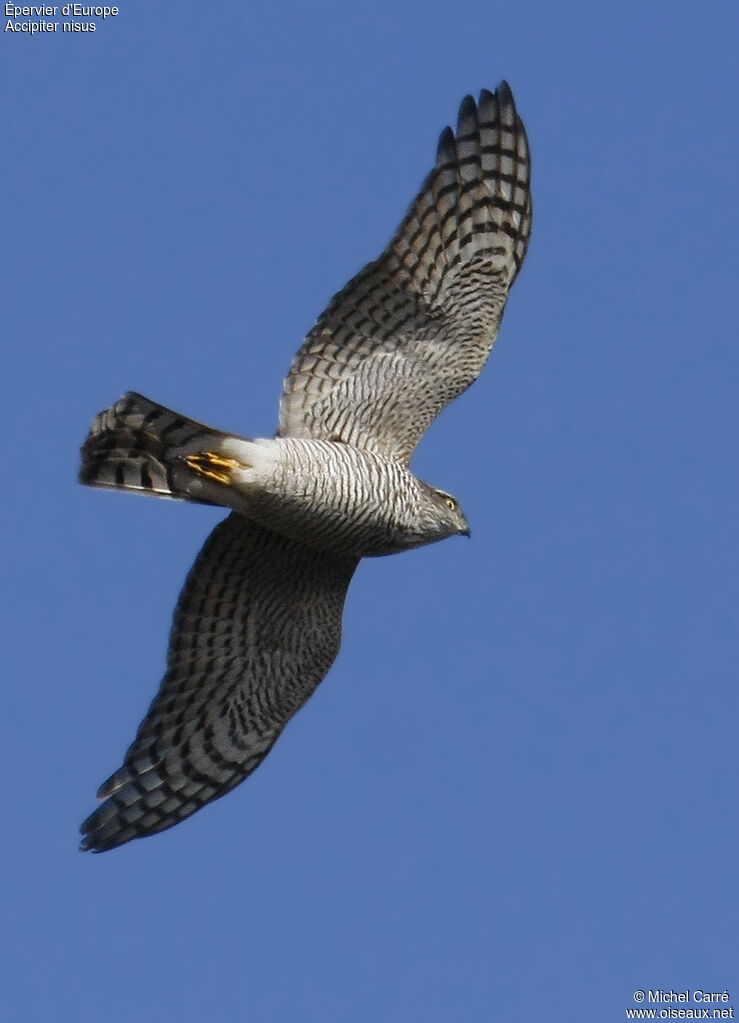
258	623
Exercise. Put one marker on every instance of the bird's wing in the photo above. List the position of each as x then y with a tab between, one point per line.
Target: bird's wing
414	329
257	627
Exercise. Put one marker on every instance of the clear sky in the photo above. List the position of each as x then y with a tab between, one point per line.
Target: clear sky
515	796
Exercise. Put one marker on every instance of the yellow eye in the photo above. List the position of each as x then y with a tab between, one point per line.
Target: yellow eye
451	503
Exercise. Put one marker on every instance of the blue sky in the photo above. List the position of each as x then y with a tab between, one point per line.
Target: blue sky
515	795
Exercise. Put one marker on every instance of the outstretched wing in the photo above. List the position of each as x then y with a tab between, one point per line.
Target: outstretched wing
257	627
415	328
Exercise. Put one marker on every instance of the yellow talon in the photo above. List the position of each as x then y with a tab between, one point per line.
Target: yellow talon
214	466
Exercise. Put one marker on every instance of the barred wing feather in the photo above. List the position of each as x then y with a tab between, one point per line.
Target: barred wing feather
414	329
257	627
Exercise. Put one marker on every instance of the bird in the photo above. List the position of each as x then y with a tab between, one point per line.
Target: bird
258	622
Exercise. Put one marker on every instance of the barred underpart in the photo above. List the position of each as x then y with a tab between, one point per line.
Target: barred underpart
258	623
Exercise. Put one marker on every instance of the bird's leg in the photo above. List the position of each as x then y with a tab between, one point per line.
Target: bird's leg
214	466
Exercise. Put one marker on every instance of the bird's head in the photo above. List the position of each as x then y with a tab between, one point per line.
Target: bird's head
440	516
450	514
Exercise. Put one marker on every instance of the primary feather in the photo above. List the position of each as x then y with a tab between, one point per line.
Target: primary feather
258	623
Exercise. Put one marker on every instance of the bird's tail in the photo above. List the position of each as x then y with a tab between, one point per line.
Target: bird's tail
140	446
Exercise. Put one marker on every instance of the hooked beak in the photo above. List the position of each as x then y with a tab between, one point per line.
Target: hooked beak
465	532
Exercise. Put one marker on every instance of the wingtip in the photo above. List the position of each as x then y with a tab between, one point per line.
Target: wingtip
113	783
100	837
467	127
468	107
86	840
87	845
447	146
503	94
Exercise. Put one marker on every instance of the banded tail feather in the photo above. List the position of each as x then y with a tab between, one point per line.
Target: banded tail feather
140	446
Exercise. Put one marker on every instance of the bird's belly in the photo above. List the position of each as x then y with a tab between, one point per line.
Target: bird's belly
332	496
